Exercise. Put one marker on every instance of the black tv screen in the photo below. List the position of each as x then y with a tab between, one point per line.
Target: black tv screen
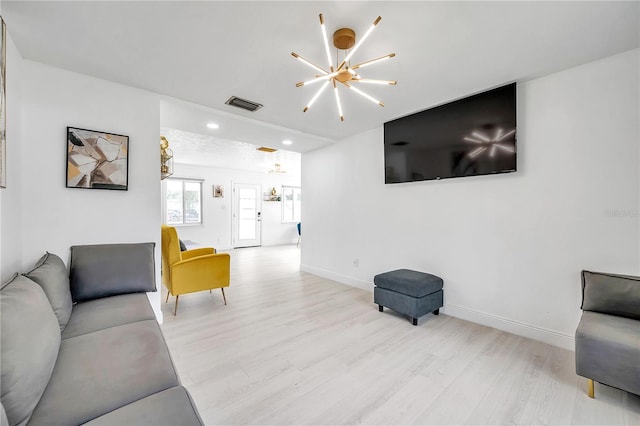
468	137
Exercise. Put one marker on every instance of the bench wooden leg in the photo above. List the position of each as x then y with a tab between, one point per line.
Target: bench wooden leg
436	312
590	388
380	308
415	321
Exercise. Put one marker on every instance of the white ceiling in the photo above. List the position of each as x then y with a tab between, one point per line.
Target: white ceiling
204	52
210	151
192	118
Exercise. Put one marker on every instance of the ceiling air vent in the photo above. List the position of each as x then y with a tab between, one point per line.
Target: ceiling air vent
243	103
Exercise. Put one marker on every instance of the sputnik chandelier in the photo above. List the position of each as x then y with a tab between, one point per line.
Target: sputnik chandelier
343	73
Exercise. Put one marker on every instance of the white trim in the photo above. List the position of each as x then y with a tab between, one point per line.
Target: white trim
510	326
544	335
287	242
342	279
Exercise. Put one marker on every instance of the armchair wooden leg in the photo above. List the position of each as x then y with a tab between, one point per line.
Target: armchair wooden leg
167	300
590	388
175	311
210	291
223	296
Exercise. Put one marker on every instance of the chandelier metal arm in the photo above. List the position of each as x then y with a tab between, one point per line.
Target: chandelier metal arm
359	43
363	94
326	42
316	96
370	81
373	61
317	79
309	63
335	91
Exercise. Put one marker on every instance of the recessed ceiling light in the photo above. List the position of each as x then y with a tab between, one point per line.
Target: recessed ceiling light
213	125
286	142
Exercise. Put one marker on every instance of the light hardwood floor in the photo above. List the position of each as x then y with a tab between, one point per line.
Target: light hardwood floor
293	348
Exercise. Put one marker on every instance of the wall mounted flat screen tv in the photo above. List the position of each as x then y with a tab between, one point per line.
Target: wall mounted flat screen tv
468	137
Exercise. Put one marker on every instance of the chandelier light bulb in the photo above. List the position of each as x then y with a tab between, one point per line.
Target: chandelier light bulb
316	96
335	90
326	42
357	46
361	93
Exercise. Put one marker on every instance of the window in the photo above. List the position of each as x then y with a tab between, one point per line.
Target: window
183	202
291	202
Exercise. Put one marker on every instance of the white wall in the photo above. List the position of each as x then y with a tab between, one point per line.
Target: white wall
509	247
55	217
216	228
11	196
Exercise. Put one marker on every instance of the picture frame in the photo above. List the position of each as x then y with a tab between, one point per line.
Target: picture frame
218	191
97	160
3	104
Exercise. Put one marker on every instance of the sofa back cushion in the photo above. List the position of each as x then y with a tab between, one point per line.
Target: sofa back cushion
611	294
29	344
110	269
50	273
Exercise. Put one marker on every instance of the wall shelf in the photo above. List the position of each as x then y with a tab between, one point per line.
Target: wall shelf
270	197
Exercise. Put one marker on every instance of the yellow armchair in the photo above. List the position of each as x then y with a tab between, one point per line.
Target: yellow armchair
192	270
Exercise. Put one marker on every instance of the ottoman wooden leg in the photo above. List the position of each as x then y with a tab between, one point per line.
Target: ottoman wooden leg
380	308
436	312
415	321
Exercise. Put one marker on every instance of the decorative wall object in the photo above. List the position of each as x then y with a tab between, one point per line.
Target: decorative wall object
166	159
97	160
218	191
3	103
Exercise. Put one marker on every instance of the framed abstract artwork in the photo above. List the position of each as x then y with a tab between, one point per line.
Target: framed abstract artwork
3	106
97	160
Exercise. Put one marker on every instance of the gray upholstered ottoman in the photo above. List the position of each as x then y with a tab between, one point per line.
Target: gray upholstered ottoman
408	292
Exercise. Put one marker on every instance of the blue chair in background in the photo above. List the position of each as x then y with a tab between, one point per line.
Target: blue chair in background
299	234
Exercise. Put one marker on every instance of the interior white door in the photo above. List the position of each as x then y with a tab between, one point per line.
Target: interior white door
247	221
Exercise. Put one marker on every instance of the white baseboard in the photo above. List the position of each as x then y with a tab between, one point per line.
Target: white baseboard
510	326
550	337
342	279
279	242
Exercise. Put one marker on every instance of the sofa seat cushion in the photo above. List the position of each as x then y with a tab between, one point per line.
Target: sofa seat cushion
29	343
411	283
99	314
173	406
102	371
608	350
50	273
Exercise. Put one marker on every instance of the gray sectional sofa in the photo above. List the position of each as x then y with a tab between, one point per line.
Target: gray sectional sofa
85	347
608	335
